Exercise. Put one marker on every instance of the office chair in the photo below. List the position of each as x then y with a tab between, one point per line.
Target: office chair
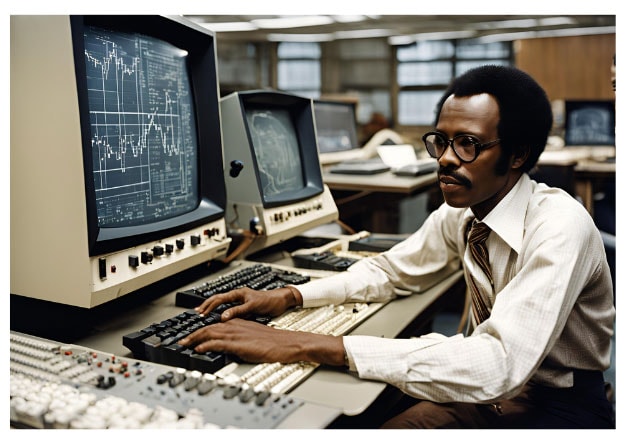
556	175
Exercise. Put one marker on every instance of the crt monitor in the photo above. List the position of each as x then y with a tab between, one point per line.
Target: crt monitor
272	171
589	122
116	159
336	126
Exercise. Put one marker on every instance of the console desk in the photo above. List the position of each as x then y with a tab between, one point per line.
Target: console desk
332	396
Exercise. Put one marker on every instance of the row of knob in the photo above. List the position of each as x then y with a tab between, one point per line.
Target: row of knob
159	250
284	216
147	256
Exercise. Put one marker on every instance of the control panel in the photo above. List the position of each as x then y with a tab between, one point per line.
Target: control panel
293	216
148	261
55	385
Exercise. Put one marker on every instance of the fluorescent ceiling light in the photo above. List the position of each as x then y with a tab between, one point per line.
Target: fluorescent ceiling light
349	18
571	32
398	40
300	38
229	26
524	23
292	22
556	21
322	37
362	33
407	39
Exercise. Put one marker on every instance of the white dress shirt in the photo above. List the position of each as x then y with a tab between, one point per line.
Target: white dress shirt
553	309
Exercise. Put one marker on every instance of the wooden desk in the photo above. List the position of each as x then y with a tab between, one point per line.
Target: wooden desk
373	199
380	182
591	170
591	175
570	154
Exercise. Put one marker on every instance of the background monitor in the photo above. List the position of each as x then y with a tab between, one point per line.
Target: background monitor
273	178
336	126
589	122
116	160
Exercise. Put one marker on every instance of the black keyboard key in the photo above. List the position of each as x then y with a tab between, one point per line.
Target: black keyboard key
133	341
208	362
175	355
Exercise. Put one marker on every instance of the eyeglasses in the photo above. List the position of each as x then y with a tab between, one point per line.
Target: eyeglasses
466	147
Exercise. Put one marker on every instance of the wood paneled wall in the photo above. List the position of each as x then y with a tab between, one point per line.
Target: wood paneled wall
570	67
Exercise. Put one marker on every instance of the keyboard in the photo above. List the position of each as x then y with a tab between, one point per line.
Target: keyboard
157	342
370	166
323	261
63	386
258	277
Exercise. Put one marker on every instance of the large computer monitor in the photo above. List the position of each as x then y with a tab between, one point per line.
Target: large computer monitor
336	126
116	160
272	171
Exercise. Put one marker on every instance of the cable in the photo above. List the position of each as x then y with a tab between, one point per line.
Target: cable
248	238
346	227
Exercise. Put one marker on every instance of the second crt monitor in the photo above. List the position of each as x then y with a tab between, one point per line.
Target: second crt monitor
272	170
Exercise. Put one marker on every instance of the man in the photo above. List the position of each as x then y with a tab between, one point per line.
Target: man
542	310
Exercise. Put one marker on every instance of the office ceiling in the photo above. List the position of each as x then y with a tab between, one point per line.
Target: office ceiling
401	29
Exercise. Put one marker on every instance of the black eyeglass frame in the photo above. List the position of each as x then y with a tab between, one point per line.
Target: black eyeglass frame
479	147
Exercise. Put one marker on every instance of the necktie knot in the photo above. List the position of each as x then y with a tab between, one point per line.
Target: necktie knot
479	232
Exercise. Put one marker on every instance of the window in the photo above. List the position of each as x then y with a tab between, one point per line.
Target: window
237	67
298	68
425	68
365	71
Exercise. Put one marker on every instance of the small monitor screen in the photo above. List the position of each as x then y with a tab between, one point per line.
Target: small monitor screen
335	126
143	133
277	150
589	122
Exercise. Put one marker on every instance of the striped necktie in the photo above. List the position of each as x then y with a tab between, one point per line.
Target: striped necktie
481	304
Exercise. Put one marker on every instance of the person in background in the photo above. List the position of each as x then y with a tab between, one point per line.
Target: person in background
375	124
542	313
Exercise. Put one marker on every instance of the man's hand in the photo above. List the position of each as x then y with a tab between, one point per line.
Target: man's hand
268	302
254	342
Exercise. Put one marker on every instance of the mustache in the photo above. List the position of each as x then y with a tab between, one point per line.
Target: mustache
451	173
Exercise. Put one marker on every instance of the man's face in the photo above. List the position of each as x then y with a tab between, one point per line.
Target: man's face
476	184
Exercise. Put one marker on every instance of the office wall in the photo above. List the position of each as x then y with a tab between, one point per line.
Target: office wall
570	67
577	67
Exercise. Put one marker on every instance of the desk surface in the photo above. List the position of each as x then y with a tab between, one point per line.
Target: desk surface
328	392
590	166
379	182
595	167
578	154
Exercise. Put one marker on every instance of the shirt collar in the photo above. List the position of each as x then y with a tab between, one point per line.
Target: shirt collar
507	219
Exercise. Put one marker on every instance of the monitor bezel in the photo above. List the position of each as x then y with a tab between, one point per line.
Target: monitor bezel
202	68
301	113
